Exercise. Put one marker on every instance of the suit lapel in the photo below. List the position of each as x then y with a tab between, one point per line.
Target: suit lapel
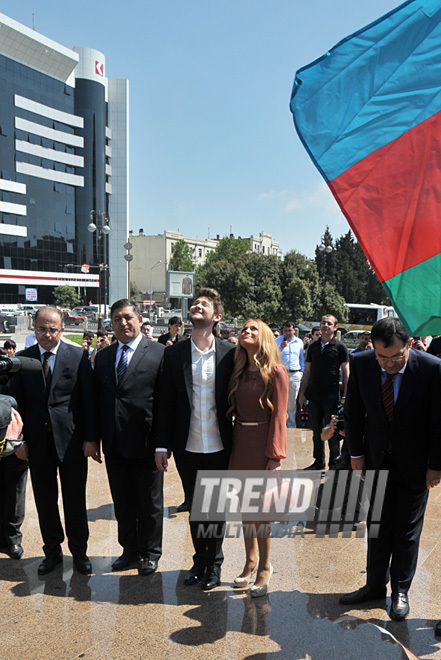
186	365
408	385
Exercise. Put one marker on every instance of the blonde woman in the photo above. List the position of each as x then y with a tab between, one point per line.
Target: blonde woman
258	401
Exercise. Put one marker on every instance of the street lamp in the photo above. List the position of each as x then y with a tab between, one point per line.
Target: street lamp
154	266
99	223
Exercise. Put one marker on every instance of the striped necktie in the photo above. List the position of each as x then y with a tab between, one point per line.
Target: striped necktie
47	369
388	396
122	364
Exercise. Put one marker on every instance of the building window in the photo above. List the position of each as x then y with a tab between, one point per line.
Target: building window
200	252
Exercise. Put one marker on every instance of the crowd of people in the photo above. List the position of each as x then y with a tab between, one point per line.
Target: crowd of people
218	405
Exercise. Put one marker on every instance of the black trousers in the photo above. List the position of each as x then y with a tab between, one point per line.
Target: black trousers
207	544
73	477
137	492
394	553
320	411
13	480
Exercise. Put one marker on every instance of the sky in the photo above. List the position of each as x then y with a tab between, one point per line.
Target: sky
213	148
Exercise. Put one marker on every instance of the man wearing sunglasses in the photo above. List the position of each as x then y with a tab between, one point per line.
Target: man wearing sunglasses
393	422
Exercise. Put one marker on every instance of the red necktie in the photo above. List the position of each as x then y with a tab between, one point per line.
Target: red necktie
388	396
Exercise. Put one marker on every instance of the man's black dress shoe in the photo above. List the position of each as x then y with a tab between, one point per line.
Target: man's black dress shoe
49	564
83	565
315	466
438	629
183	507
148	566
400	607
125	561
16	551
363	595
194	575
211	578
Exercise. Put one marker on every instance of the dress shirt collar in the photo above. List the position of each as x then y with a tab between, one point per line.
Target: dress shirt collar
53	350
131	344
195	349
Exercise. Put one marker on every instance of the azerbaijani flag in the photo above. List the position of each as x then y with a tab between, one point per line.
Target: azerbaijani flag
369	114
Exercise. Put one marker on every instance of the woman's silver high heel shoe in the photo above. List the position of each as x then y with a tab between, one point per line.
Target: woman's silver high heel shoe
263	590
244	581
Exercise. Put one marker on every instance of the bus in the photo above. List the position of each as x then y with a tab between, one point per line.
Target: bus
361	317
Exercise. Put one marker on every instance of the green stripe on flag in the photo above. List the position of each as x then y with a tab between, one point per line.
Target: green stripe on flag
416	295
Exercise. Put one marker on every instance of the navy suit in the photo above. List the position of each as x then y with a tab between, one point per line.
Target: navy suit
55	425
127	427
175	407
407	447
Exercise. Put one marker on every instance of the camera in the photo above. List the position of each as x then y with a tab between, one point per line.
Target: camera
340	420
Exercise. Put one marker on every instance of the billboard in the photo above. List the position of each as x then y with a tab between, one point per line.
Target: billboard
180	284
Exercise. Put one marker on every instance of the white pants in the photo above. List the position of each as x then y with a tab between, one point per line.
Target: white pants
295	379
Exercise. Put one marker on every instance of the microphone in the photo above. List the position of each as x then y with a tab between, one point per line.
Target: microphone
25	364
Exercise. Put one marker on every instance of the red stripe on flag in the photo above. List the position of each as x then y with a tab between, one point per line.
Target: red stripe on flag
392	200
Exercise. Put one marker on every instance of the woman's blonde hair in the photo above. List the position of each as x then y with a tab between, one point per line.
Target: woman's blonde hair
266	357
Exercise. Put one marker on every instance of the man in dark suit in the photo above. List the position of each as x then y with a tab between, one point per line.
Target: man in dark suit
393	422
126	380
193	420
56	405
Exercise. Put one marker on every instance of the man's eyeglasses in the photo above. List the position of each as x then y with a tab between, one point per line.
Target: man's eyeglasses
395	360
51	331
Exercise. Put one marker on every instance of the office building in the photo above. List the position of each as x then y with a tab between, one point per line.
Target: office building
63	155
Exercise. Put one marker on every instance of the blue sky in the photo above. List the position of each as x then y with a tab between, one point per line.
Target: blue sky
213	146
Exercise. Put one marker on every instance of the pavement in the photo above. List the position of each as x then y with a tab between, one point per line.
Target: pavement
120	616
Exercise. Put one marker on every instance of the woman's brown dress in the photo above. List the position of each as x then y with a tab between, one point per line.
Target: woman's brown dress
253	446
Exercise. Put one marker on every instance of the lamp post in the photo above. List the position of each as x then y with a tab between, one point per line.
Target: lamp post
99	223
151	289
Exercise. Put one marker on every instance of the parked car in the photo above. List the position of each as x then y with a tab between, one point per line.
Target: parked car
91	311
351	338
226	331
70	318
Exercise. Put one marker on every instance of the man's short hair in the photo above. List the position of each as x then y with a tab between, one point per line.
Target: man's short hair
52	308
288	324
365	333
124	302
89	334
102	333
316	328
10	343
213	295
385	330
175	320
330	316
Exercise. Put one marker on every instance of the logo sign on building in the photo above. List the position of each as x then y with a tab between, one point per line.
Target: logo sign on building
99	68
31	295
180	284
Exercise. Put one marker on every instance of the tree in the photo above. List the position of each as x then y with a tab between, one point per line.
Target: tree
65	296
181	257
228	248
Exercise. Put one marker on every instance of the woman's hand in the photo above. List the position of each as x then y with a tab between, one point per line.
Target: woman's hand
273	464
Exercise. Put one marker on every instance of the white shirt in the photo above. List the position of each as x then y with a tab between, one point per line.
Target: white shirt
53	353
132	345
204	436
31	340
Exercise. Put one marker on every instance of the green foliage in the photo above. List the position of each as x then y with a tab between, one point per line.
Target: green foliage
65	296
266	287
181	257
348	270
